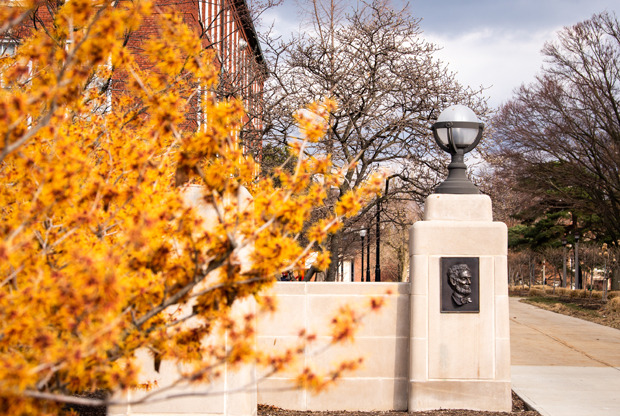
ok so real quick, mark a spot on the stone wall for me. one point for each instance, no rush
(383, 341)
(233, 394)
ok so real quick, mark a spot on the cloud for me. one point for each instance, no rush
(285, 20)
(458, 16)
(487, 42)
(494, 58)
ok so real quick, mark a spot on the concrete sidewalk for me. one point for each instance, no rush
(564, 366)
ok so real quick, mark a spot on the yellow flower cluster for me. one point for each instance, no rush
(100, 255)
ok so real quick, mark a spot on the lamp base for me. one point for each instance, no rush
(457, 181)
(457, 186)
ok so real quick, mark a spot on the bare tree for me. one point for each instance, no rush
(613, 265)
(532, 258)
(389, 89)
(518, 266)
(590, 258)
(396, 218)
(498, 185)
(559, 137)
(555, 257)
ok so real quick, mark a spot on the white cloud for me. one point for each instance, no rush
(285, 21)
(503, 49)
(493, 58)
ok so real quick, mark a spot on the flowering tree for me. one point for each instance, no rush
(99, 251)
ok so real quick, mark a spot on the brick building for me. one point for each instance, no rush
(227, 27)
(223, 25)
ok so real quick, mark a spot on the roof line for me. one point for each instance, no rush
(250, 30)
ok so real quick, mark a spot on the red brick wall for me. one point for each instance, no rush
(221, 23)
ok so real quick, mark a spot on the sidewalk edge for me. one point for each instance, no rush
(529, 403)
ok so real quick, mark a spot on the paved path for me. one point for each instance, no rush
(564, 366)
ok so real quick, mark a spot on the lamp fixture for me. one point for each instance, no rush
(457, 131)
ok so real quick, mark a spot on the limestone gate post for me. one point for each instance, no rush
(460, 335)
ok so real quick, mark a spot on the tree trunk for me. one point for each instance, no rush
(615, 279)
(402, 262)
(334, 248)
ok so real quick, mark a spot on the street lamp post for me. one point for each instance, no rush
(368, 258)
(605, 254)
(378, 260)
(362, 234)
(577, 279)
(564, 263)
(378, 241)
(457, 131)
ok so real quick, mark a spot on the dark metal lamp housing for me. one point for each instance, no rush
(457, 131)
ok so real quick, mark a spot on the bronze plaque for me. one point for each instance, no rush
(460, 284)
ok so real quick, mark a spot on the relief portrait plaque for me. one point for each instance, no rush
(460, 284)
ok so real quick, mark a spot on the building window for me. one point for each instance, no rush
(7, 48)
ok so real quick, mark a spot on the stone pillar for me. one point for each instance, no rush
(460, 358)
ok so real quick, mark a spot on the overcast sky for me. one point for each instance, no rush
(495, 43)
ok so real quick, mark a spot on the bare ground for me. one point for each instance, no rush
(518, 408)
